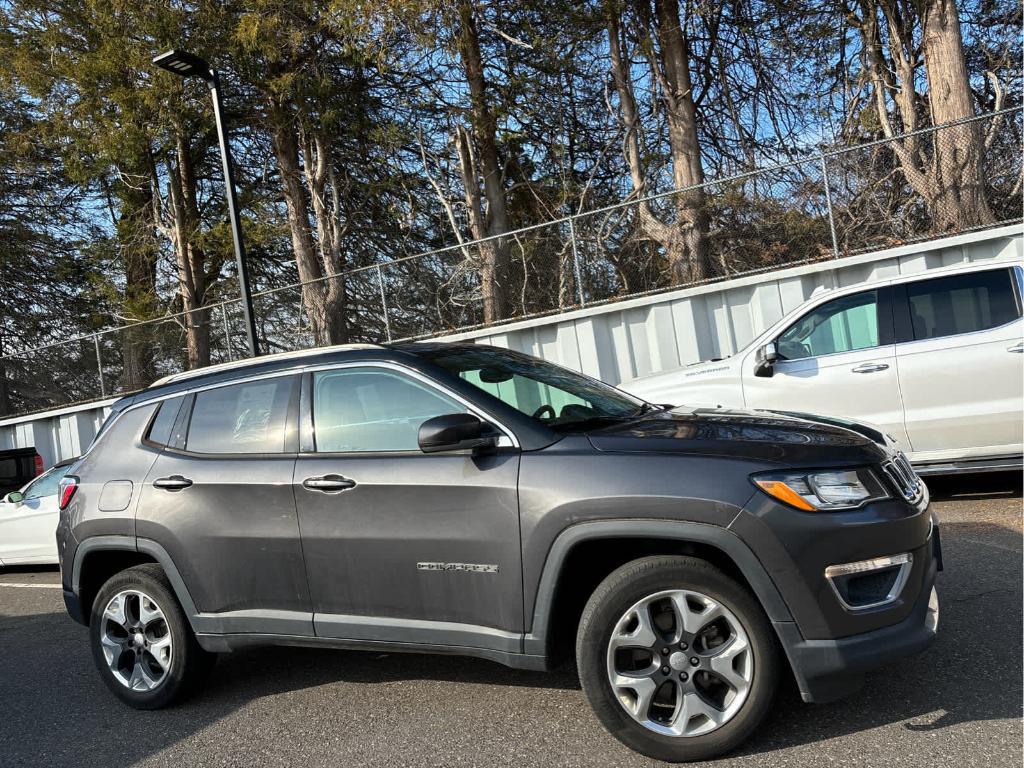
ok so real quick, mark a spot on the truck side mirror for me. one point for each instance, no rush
(764, 362)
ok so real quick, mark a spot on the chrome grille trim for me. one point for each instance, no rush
(903, 477)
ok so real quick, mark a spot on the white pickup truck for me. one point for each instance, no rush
(934, 359)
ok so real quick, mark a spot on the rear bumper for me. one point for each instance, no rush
(827, 670)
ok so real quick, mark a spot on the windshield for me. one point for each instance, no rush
(556, 396)
(46, 484)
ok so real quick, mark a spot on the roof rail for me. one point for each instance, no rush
(299, 353)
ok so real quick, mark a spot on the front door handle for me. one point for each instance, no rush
(1018, 347)
(328, 483)
(172, 483)
(870, 368)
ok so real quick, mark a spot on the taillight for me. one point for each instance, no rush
(39, 465)
(68, 486)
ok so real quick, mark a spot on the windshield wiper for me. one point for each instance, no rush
(648, 407)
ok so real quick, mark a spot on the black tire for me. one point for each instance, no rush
(633, 582)
(189, 664)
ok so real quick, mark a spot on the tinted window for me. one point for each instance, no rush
(9, 469)
(947, 306)
(368, 409)
(160, 429)
(840, 325)
(241, 418)
(46, 484)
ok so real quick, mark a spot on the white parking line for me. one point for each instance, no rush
(30, 586)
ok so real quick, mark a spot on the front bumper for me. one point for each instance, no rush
(826, 670)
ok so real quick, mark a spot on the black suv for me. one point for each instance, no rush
(457, 498)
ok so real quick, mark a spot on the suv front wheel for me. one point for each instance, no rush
(141, 641)
(677, 659)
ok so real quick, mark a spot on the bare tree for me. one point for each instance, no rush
(664, 45)
(898, 37)
(481, 173)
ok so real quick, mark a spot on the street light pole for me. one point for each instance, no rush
(186, 64)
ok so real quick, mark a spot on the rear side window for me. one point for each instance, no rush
(947, 306)
(841, 325)
(241, 418)
(160, 428)
(9, 470)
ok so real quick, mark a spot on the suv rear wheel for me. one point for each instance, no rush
(677, 660)
(141, 641)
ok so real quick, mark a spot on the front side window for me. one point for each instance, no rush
(557, 396)
(841, 325)
(372, 410)
(240, 418)
(947, 306)
(46, 484)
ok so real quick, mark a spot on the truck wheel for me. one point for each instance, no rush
(141, 641)
(677, 660)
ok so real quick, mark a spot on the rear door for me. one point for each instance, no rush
(409, 546)
(837, 359)
(961, 363)
(219, 499)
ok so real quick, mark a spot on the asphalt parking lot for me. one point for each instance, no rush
(958, 704)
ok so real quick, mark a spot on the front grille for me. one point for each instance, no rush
(903, 477)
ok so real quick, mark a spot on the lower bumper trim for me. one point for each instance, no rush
(827, 670)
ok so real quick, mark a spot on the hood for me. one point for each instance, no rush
(776, 436)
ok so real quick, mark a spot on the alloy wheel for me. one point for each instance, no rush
(680, 663)
(136, 640)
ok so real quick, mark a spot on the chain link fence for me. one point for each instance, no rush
(934, 182)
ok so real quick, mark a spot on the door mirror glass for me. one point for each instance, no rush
(14, 497)
(765, 360)
(455, 432)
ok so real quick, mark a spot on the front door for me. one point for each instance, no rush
(219, 500)
(404, 545)
(837, 359)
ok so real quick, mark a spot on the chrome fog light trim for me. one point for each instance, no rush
(902, 561)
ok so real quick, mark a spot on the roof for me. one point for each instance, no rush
(225, 372)
(249, 361)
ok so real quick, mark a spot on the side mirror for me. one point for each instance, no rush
(455, 432)
(14, 497)
(764, 362)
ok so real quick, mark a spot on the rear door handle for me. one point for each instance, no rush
(172, 483)
(870, 368)
(328, 483)
(1018, 347)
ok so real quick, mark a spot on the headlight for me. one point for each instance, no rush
(822, 491)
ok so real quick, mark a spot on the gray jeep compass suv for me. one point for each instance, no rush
(456, 498)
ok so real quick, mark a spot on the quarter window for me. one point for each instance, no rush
(160, 429)
(240, 418)
(368, 410)
(947, 306)
(841, 325)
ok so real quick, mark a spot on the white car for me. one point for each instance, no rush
(934, 359)
(28, 520)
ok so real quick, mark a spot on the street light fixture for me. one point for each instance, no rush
(185, 64)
